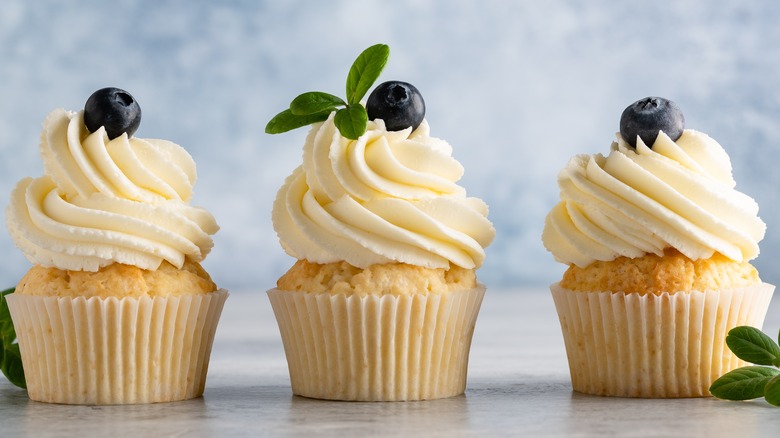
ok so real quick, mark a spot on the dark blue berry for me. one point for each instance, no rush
(398, 103)
(645, 117)
(114, 109)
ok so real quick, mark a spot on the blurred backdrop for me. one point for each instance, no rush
(516, 87)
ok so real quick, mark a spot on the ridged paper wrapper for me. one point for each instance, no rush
(377, 347)
(654, 346)
(98, 351)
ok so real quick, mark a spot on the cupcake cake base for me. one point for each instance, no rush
(654, 345)
(98, 351)
(377, 347)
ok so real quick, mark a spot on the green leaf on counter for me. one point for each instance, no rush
(10, 357)
(752, 345)
(772, 391)
(744, 383)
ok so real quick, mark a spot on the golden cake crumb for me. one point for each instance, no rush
(381, 279)
(118, 280)
(673, 272)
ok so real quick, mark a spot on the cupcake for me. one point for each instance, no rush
(382, 302)
(116, 308)
(658, 243)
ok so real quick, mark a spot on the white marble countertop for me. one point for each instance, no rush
(518, 385)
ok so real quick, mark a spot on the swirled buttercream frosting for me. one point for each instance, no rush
(636, 201)
(389, 196)
(104, 201)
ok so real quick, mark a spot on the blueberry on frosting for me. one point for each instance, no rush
(114, 109)
(646, 117)
(399, 104)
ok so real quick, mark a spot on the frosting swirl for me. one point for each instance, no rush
(104, 201)
(638, 201)
(387, 196)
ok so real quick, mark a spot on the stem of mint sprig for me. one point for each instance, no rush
(10, 357)
(351, 117)
(750, 382)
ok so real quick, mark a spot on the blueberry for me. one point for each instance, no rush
(398, 103)
(645, 117)
(114, 109)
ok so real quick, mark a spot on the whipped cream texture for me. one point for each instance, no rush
(104, 201)
(389, 196)
(640, 201)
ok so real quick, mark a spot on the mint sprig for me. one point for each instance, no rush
(10, 357)
(351, 117)
(750, 382)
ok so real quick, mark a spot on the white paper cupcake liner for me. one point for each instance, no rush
(660, 346)
(115, 351)
(377, 348)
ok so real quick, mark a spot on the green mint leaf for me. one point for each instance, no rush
(315, 102)
(752, 345)
(12, 366)
(10, 358)
(365, 71)
(777, 361)
(7, 332)
(351, 121)
(287, 121)
(772, 391)
(744, 383)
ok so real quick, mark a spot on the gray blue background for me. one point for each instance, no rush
(517, 87)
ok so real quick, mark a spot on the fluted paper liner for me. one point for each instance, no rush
(660, 346)
(377, 348)
(115, 351)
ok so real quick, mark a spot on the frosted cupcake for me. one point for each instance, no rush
(116, 308)
(658, 243)
(382, 302)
